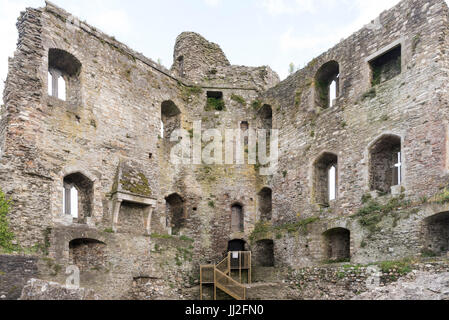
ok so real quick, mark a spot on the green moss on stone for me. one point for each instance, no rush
(136, 184)
(239, 99)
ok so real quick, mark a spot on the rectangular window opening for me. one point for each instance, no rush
(386, 66)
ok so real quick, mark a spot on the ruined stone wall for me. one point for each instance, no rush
(110, 121)
(15, 271)
(108, 133)
(412, 105)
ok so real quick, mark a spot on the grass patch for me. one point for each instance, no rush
(161, 236)
(215, 104)
(401, 267)
(442, 197)
(187, 92)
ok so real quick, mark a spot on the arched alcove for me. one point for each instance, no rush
(337, 245)
(175, 212)
(87, 254)
(265, 204)
(170, 118)
(436, 234)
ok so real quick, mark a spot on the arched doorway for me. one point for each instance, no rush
(236, 245)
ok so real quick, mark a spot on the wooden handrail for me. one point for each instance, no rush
(233, 288)
(220, 276)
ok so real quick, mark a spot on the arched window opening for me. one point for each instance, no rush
(327, 84)
(326, 178)
(63, 76)
(386, 163)
(265, 204)
(337, 245)
(78, 197)
(266, 116)
(436, 235)
(170, 118)
(237, 219)
(176, 217)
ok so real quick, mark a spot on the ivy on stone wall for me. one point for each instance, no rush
(6, 236)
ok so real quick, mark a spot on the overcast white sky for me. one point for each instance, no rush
(251, 32)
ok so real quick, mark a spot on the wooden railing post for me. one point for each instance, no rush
(215, 284)
(201, 283)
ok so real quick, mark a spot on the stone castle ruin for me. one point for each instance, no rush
(362, 176)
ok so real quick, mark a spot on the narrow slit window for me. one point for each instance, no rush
(332, 93)
(70, 201)
(397, 181)
(332, 183)
(61, 88)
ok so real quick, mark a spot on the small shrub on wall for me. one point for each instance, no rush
(6, 236)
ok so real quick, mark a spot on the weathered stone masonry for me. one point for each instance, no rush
(141, 219)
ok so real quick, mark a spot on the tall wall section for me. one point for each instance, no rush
(410, 106)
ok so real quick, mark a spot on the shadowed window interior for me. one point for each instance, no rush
(266, 116)
(63, 76)
(265, 204)
(385, 163)
(170, 118)
(386, 66)
(436, 235)
(263, 252)
(176, 218)
(78, 196)
(325, 180)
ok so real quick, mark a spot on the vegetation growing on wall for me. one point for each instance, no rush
(264, 229)
(187, 92)
(239, 99)
(256, 104)
(6, 235)
(215, 104)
